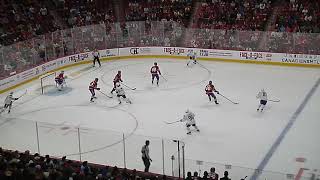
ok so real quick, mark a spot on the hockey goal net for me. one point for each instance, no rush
(47, 82)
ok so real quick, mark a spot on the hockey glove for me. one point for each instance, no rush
(98, 89)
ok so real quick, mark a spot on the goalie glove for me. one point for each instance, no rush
(98, 89)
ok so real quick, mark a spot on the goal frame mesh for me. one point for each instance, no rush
(43, 77)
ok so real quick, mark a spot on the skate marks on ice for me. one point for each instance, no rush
(178, 76)
(69, 126)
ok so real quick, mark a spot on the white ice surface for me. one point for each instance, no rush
(230, 134)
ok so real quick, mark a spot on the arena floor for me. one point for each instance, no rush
(235, 134)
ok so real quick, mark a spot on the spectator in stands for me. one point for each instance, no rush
(205, 175)
(225, 176)
(213, 175)
(189, 176)
(196, 176)
(145, 156)
(85, 169)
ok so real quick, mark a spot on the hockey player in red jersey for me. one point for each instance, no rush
(154, 73)
(60, 80)
(93, 86)
(117, 79)
(209, 91)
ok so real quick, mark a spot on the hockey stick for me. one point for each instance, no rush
(273, 100)
(171, 122)
(244, 178)
(163, 77)
(104, 94)
(128, 86)
(229, 99)
(25, 92)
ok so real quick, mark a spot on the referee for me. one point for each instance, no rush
(95, 54)
(145, 156)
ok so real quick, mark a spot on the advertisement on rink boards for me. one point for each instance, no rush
(301, 59)
(257, 56)
(108, 52)
(133, 51)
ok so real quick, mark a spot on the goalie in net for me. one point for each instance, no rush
(60, 80)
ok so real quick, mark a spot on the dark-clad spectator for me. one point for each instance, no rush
(85, 169)
(205, 175)
(225, 176)
(213, 175)
(196, 176)
(145, 156)
(189, 176)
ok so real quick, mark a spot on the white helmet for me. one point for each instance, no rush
(262, 90)
(62, 72)
(187, 111)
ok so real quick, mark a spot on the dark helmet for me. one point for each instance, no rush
(96, 79)
(119, 72)
(210, 82)
(155, 63)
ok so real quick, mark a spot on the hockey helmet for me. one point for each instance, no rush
(11, 92)
(187, 111)
(262, 90)
(62, 72)
(119, 72)
(96, 79)
(155, 63)
(210, 82)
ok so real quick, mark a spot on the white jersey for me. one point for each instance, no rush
(188, 117)
(120, 91)
(9, 99)
(95, 53)
(262, 96)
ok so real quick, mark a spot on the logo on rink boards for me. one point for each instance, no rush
(79, 57)
(174, 51)
(301, 58)
(256, 56)
(134, 51)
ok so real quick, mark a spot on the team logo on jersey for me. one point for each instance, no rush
(134, 50)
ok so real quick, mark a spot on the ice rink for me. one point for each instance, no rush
(234, 134)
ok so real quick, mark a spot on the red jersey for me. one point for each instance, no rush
(60, 76)
(117, 78)
(210, 88)
(93, 85)
(155, 70)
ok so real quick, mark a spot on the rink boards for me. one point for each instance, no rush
(303, 60)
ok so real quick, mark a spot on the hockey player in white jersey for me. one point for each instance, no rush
(188, 117)
(192, 56)
(120, 93)
(262, 95)
(8, 102)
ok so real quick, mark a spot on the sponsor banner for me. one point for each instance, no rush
(301, 59)
(27, 74)
(80, 57)
(8, 82)
(108, 52)
(49, 66)
(257, 56)
(132, 51)
(176, 51)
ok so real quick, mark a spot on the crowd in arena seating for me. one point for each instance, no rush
(15, 165)
(21, 20)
